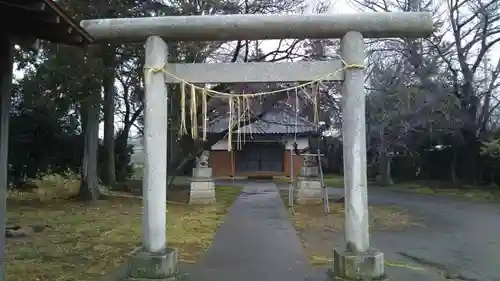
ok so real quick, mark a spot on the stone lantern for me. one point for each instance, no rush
(202, 187)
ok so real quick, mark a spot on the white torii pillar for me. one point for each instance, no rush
(155, 260)
(155, 140)
(6, 65)
(357, 261)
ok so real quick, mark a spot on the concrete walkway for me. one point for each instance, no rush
(257, 242)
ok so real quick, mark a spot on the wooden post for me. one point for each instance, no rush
(290, 186)
(6, 64)
(232, 165)
(155, 140)
(326, 202)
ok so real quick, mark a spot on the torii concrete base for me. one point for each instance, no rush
(146, 266)
(355, 266)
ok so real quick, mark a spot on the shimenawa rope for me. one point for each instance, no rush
(238, 103)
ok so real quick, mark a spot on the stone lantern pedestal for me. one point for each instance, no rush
(202, 187)
(308, 185)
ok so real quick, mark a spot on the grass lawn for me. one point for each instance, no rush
(336, 181)
(423, 187)
(83, 241)
(442, 188)
(316, 229)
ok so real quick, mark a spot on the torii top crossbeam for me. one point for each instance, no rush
(258, 27)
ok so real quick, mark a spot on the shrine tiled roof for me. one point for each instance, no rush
(282, 119)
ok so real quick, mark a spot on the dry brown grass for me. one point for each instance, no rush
(84, 241)
(317, 229)
(313, 217)
(483, 193)
(331, 180)
(381, 218)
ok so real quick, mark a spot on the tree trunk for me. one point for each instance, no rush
(384, 169)
(89, 190)
(470, 151)
(387, 171)
(173, 112)
(173, 148)
(384, 165)
(109, 176)
(453, 167)
(121, 152)
(108, 54)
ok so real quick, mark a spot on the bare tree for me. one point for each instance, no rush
(410, 95)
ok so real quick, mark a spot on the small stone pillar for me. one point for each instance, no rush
(202, 185)
(308, 185)
(357, 261)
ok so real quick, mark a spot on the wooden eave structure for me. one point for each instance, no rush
(41, 19)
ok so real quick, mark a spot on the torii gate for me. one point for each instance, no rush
(357, 261)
